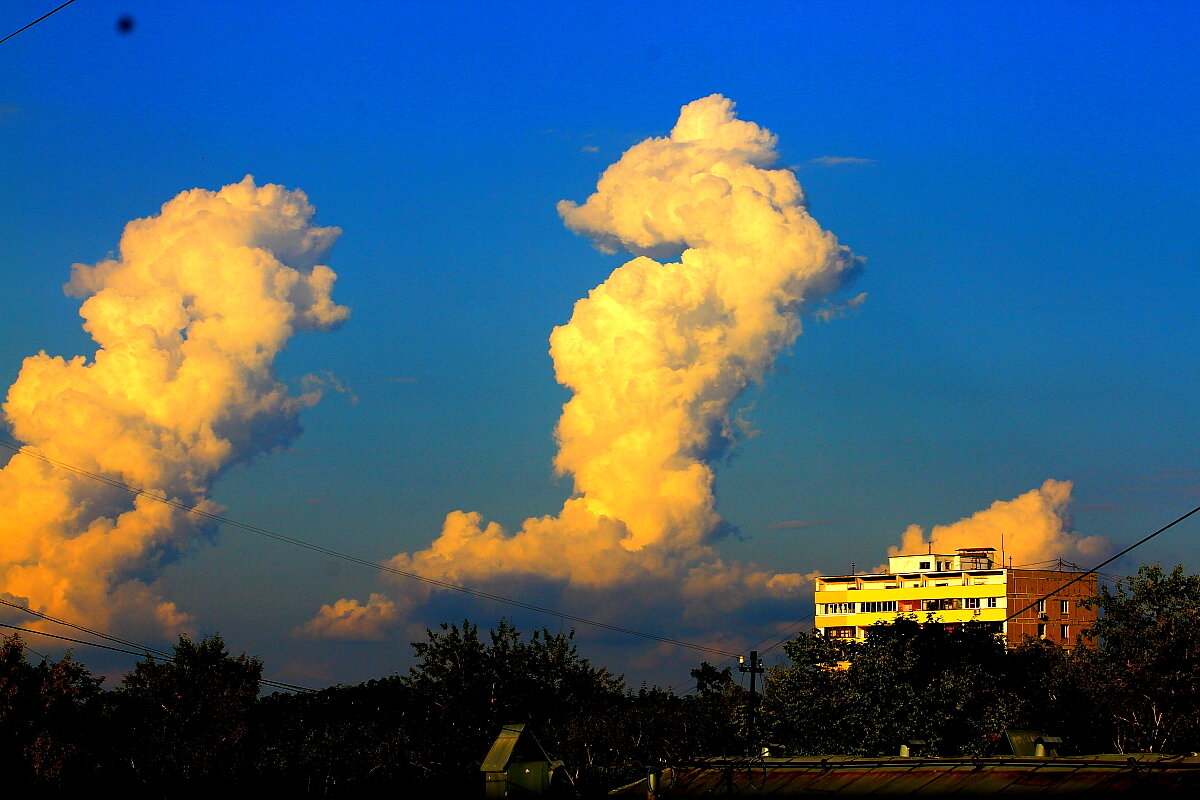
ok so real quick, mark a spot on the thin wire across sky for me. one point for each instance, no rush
(142, 650)
(364, 562)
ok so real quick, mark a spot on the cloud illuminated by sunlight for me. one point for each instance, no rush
(1033, 529)
(349, 619)
(726, 259)
(188, 320)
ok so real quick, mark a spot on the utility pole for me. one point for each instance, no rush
(755, 667)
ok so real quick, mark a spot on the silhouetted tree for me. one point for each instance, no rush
(1056, 687)
(340, 741)
(804, 703)
(467, 688)
(711, 681)
(47, 722)
(941, 684)
(195, 724)
(188, 721)
(1146, 671)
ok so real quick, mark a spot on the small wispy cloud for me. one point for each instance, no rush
(834, 311)
(796, 524)
(402, 380)
(841, 161)
(315, 384)
(590, 148)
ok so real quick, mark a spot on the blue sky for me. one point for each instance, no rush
(1021, 179)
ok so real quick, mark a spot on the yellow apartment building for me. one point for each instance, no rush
(965, 586)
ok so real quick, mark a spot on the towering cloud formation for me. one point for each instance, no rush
(188, 321)
(655, 357)
(1032, 528)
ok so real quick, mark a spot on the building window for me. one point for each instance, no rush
(1041, 606)
(878, 607)
(945, 604)
(1064, 632)
(1064, 607)
(923, 565)
(839, 608)
(840, 633)
(1041, 630)
(971, 602)
(909, 606)
(991, 602)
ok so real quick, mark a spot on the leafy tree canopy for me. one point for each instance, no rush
(190, 718)
(47, 728)
(1146, 672)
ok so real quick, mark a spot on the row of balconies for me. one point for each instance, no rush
(912, 606)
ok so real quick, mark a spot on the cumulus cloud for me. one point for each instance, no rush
(351, 620)
(188, 319)
(1032, 528)
(726, 256)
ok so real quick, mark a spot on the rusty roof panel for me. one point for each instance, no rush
(1165, 776)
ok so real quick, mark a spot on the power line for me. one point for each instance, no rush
(84, 629)
(782, 632)
(42, 656)
(316, 548)
(1105, 563)
(264, 681)
(149, 652)
(143, 650)
(36, 21)
(795, 624)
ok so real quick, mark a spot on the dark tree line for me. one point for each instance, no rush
(198, 724)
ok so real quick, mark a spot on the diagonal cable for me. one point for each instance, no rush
(1105, 563)
(316, 548)
(36, 21)
(264, 681)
